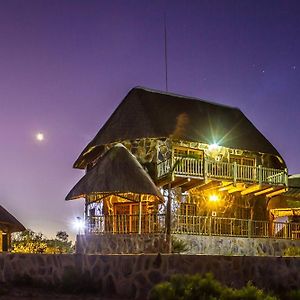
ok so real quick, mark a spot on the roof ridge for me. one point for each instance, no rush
(167, 93)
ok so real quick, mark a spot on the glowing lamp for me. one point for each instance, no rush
(213, 146)
(79, 225)
(214, 198)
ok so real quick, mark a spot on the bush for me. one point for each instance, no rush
(294, 295)
(195, 287)
(292, 251)
(29, 241)
(179, 246)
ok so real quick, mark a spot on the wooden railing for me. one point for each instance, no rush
(196, 225)
(191, 167)
(202, 225)
(150, 223)
(188, 166)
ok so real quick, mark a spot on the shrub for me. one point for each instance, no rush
(179, 246)
(195, 287)
(248, 292)
(294, 295)
(29, 241)
(292, 251)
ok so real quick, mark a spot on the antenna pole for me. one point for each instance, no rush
(166, 53)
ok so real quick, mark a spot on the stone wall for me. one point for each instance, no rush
(196, 244)
(132, 276)
(218, 245)
(120, 243)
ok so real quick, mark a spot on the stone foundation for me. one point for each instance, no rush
(132, 276)
(218, 245)
(120, 243)
(196, 244)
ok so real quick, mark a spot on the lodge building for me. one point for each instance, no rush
(205, 169)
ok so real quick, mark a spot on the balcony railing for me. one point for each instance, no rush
(195, 225)
(199, 168)
(150, 223)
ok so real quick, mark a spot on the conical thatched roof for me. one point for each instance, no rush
(8, 222)
(146, 113)
(116, 173)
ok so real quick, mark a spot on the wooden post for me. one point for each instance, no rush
(140, 215)
(260, 174)
(9, 241)
(286, 177)
(86, 223)
(168, 220)
(249, 228)
(172, 169)
(205, 170)
(234, 173)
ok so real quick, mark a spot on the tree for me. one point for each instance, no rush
(30, 242)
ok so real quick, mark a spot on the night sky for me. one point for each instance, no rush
(66, 65)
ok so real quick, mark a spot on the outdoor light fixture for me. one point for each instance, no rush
(213, 147)
(214, 198)
(79, 225)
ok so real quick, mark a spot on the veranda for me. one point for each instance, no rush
(195, 225)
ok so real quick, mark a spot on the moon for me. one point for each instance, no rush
(39, 136)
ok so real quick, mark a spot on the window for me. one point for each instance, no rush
(126, 217)
(187, 209)
(188, 152)
(240, 160)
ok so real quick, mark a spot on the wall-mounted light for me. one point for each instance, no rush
(79, 225)
(213, 147)
(214, 198)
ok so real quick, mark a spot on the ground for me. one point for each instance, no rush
(26, 293)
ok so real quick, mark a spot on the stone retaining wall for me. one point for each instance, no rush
(132, 276)
(196, 244)
(218, 245)
(120, 243)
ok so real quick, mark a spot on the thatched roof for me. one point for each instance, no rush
(8, 222)
(116, 173)
(294, 187)
(146, 113)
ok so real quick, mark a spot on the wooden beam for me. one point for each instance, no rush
(226, 187)
(202, 186)
(194, 183)
(276, 193)
(251, 189)
(239, 187)
(264, 191)
(179, 182)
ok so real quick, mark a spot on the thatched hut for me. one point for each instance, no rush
(8, 225)
(123, 187)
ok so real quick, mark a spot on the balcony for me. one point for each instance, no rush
(192, 225)
(205, 169)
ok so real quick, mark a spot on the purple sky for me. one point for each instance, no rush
(66, 65)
